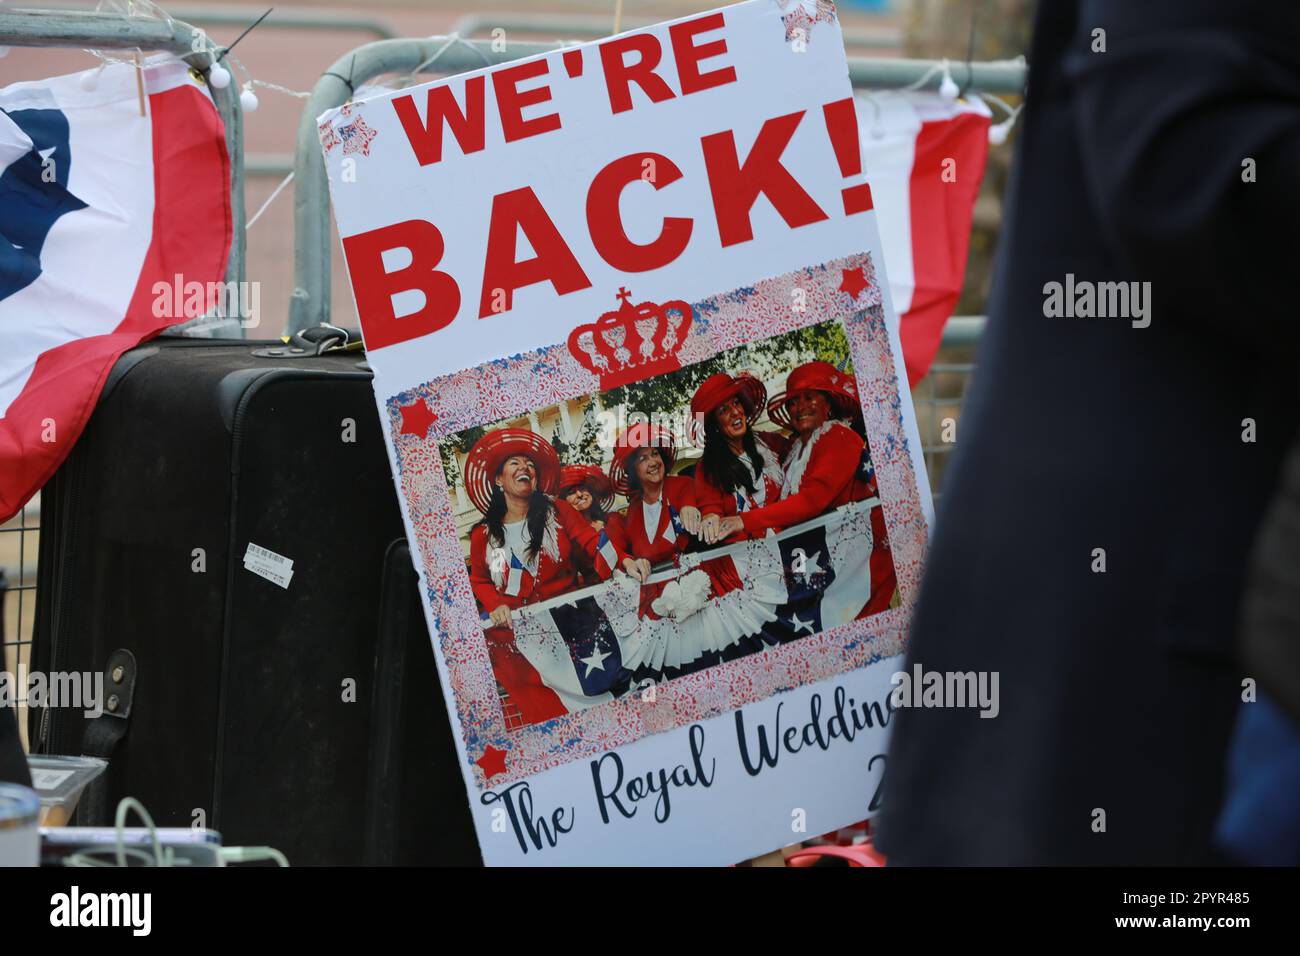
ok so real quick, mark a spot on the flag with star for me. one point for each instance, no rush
(574, 650)
(99, 206)
(828, 573)
(591, 646)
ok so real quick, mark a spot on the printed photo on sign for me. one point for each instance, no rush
(619, 540)
(686, 508)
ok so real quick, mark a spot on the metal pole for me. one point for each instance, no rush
(963, 330)
(998, 76)
(284, 18)
(592, 28)
(106, 31)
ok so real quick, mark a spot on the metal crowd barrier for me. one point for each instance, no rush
(238, 16)
(593, 28)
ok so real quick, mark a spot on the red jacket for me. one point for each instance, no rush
(627, 530)
(555, 571)
(832, 477)
(712, 500)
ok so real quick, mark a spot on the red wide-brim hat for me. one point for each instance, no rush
(840, 388)
(590, 477)
(719, 388)
(632, 439)
(495, 447)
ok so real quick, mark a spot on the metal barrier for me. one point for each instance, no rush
(940, 396)
(310, 302)
(238, 16)
(19, 544)
(593, 28)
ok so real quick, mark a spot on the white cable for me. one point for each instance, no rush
(280, 89)
(998, 132)
(938, 67)
(252, 854)
(269, 199)
(452, 39)
(120, 850)
(1011, 111)
(125, 806)
(162, 856)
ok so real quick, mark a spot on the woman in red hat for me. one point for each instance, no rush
(522, 551)
(661, 512)
(683, 627)
(740, 469)
(827, 465)
(588, 491)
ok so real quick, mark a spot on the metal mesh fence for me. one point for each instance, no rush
(940, 397)
(19, 544)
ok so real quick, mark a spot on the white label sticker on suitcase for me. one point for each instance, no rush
(275, 568)
(265, 556)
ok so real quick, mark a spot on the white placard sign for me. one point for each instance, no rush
(639, 379)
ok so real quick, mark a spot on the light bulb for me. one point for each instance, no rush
(89, 80)
(948, 88)
(218, 76)
(248, 100)
(999, 132)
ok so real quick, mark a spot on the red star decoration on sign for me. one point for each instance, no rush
(416, 418)
(492, 762)
(854, 281)
(356, 137)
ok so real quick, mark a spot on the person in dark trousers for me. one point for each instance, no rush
(1114, 468)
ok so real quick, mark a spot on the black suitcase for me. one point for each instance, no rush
(416, 810)
(233, 702)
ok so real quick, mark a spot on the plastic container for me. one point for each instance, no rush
(20, 837)
(59, 782)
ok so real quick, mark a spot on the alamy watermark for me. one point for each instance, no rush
(922, 688)
(642, 426)
(74, 908)
(180, 299)
(1084, 299)
(76, 689)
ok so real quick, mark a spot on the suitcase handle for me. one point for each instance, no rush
(102, 733)
(308, 343)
